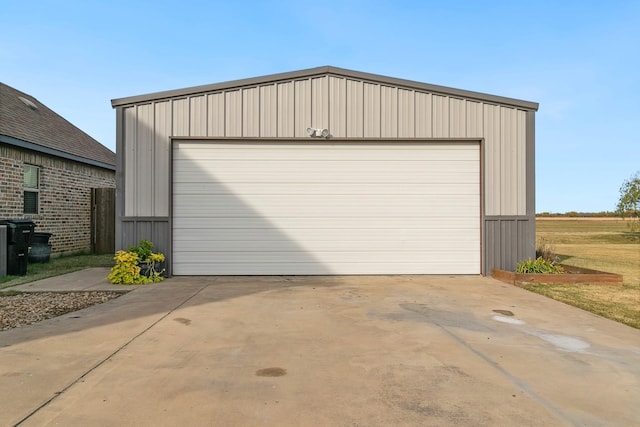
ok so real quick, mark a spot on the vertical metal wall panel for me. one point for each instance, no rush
(233, 113)
(320, 103)
(530, 161)
(286, 115)
(127, 234)
(527, 238)
(198, 116)
(144, 160)
(388, 112)
(507, 249)
(521, 162)
(507, 241)
(251, 112)
(302, 108)
(423, 115)
(371, 110)
(489, 246)
(161, 158)
(338, 107)
(406, 114)
(215, 114)
(120, 172)
(440, 118)
(492, 159)
(508, 162)
(130, 169)
(457, 118)
(474, 120)
(355, 109)
(181, 116)
(268, 111)
(157, 231)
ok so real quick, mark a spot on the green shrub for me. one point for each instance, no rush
(128, 271)
(538, 266)
(143, 250)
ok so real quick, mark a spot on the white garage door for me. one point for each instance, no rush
(325, 208)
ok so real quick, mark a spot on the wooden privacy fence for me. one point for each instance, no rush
(103, 220)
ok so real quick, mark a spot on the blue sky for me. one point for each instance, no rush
(579, 59)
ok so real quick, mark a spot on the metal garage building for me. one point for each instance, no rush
(327, 171)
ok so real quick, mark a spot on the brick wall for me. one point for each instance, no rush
(65, 196)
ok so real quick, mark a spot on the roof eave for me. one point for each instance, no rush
(292, 75)
(53, 152)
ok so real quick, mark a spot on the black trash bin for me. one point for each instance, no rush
(19, 232)
(40, 247)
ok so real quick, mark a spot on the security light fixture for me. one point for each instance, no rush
(318, 133)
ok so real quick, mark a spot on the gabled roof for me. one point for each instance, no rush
(27, 123)
(327, 70)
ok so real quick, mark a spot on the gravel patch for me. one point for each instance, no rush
(31, 307)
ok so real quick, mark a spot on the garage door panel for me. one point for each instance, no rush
(336, 206)
(341, 166)
(307, 188)
(353, 245)
(312, 209)
(342, 236)
(327, 258)
(201, 152)
(313, 268)
(449, 175)
(234, 225)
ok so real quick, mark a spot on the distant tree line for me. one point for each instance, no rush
(628, 207)
(574, 214)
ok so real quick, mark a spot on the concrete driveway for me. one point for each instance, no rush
(322, 351)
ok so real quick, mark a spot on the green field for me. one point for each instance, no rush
(603, 244)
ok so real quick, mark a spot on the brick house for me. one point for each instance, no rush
(48, 168)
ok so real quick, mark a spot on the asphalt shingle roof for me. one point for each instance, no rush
(25, 118)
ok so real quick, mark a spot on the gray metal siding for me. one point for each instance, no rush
(215, 115)
(127, 150)
(302, 108)
(372, 107)
(338, 117)
(232, 114)
(161, 155)
(346, 105)
(198, 115)
(156, 230)
(251, 112)
(507, 241)
(423, 105)
(355, 109)
(286, 108)
(268, 111)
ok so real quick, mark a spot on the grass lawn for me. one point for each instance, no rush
(56, 267)
(600, 244)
